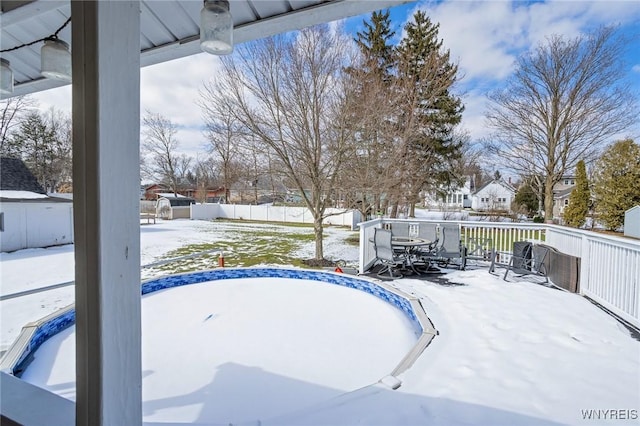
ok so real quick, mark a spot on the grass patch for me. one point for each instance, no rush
(241, 247)
(353, 239)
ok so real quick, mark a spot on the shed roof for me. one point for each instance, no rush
(15, 176)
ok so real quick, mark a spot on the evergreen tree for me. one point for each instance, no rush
(616, 180)
(525, 200)
(575, 214)
(374, 44)
(428, 111)
(43, 142)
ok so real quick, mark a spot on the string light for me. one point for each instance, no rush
(216, 27)
(55, 59)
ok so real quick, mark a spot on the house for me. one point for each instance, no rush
(156, 190)
(561, 192)
(29, 218)
(494, 195)
(452, 198)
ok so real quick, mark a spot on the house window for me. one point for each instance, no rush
(566, 202)
(573, 182)
(566, 181)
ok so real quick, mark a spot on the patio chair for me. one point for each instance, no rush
(385, 254)
(451, 248)
(426, 254)
(429, 232)
(399, 229)
(529, 259)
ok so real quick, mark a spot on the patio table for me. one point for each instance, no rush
(408, 244)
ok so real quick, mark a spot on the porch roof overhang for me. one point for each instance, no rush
(169, 28)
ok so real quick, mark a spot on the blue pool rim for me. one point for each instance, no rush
(56, 324)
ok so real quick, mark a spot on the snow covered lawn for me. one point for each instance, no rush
(508, 353)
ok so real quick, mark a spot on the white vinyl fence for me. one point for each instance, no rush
(609, 266)
(268, 213)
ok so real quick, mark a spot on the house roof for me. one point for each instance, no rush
(169, 29)
(499, 182)
(563, 193)
(15, 176)
(172, 195)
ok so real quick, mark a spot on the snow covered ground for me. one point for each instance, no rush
(508, 353)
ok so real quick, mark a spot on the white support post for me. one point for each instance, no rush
(106, 132)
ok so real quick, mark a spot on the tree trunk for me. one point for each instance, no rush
(412, 209)
(394, 211)
(318, 231)
(548, 199)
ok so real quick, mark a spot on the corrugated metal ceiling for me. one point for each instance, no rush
(169, 28)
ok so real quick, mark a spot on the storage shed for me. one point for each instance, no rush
(29, 218)
(632, 222)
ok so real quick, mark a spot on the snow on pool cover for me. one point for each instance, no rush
(249, 343)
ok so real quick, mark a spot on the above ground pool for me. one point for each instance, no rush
(240, 345)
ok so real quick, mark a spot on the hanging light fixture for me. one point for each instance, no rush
(55, 59)
(6, 77)
(216, 27)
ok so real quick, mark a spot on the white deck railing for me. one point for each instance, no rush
(609, 266)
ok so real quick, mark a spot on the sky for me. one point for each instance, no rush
(508, 352)
(484, 38)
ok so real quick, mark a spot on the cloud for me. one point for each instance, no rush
(486, 38)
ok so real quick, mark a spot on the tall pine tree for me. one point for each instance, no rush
(428, 111)
(575, 214)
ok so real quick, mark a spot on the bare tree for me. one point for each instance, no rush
(160, 144)
(288, 91)
(564, 101)
(12, 112)
(224, 133)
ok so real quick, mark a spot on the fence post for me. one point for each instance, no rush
(585, 257)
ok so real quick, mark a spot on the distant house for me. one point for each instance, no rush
(494, 195)
(29, 218)
(453, 198)
(156, 190)
(561, 192)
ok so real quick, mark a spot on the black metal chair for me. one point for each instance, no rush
(385, 254)
(529, 259)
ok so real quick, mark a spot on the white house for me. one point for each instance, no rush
(495, 195)
(455, 198)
